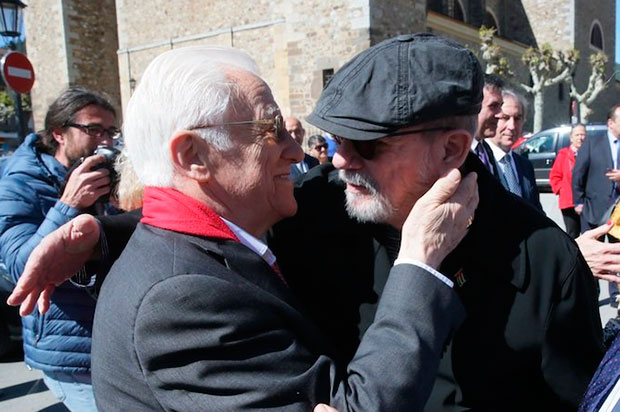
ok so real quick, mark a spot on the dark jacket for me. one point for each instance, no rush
(527, 180)
(591, 188)
(29, 210)
(193, 324)
(532, 337)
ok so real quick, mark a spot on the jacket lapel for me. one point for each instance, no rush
(254, 269)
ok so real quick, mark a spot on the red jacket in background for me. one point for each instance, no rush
(561, 177)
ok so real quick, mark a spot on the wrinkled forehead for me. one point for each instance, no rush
(253, 96)
(512, 105)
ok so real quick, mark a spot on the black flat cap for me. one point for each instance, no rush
(400, 82)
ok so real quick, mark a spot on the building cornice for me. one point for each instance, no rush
(468, 33)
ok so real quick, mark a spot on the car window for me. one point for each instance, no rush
(596, 132)
(538, 144)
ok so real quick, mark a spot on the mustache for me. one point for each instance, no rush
(358, 179)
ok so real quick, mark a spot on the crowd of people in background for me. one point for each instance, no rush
(441, 284)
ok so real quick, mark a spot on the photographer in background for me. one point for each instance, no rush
(36, 197)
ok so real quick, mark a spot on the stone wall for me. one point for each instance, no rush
(71, 42)
(551, 21)
(296, 43)
(603, 12)
(391, 18)
(91, 42)
(293, 42)
(44, 28)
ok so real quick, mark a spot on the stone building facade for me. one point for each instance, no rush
(71, 42)
(298, 44)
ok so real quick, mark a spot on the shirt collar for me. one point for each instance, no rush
(474, 145)
(498, 153)
(254, 244)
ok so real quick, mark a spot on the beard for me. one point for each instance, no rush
(74, 153)
(372, 207)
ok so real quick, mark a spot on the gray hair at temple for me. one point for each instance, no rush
(180, 90)
(519, 98)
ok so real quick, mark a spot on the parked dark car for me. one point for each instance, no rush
(542, 148)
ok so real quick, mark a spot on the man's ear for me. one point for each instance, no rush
(59, 136)
(189, 153)
(456, 145)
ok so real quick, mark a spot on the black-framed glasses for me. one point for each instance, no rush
(367, 148)
(320, 147)
(96, 130)
(277, 123)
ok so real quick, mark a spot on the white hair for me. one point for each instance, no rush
(507, 93)
(180, 89)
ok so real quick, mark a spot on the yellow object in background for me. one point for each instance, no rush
(615, 218)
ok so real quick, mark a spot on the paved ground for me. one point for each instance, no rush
(22, 390)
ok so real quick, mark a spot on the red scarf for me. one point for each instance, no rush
(167, 208)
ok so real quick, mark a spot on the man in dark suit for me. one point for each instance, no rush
(515, 172)
(596, 179)
(487, 120)
(596, 174)
(532, 336)
(297, 132)
(195, 314)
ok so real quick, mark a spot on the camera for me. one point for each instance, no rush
(110, 154)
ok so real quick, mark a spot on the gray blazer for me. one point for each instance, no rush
(193, 324)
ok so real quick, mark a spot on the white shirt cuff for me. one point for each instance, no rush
(432, 271)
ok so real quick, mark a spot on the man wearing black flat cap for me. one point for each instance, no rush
(404, 112)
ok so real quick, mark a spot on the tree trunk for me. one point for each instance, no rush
(584, 112)
(538, 110)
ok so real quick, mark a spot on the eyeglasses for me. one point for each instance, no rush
(367, 148)
(96, 130)
(277, 123)
(320, 147)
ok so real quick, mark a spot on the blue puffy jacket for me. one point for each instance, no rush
(30, 186)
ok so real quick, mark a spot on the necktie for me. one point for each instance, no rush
(617, 153)
(276, 268)
(511, 181)
(482, 154)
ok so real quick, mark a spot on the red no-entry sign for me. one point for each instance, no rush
(17, 72)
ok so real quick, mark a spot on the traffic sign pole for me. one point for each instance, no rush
(19, 114)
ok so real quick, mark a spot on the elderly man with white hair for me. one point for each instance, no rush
(195, 315)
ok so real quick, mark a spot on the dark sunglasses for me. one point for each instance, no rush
(321, 146)
(96, 130)
(367, 148)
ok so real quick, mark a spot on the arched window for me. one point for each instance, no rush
(491, 22)
(435, 5)
(459, 13)
(596, 36)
